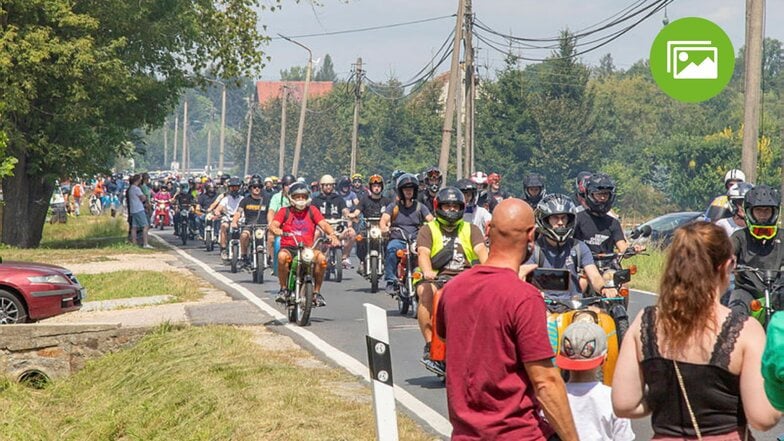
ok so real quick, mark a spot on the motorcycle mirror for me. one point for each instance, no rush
(622, 276)
(646, 231)
(635, 233)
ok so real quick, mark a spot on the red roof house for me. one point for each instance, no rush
(267, 91)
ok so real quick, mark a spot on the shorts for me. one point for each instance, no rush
(292, 250)
(139, 220)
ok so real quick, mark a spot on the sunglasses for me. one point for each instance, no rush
(763, 232)
(257, 187)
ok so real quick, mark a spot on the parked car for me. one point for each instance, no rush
(664, 226)
(34, 291)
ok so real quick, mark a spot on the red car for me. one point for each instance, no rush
(34, 291)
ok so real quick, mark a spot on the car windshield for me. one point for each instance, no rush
(670, 221)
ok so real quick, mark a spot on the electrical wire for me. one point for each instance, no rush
(371, 28)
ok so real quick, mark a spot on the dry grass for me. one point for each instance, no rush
(206, 383)
(124, 284)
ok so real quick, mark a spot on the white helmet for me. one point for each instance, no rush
(734, 175)
(327, 179)
(479, 178)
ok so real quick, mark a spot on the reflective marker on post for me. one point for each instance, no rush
(380, 363)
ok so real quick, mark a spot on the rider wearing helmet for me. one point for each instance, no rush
(183, 199)
(253, 208)
(557, 248)
(277, 201)
(333, 207)
(371, 205)
(358, 185)
(480, 179)
(579, 189)
(446, 246)
(594, 226)
(226, 208)
(269, 187)
(494, 192)
(301, 220)
(736, 195)
(433, 179)
(758, 245)
(204, 202)
(720, 206)
(533, 189)
(474, 214)
(406, 214)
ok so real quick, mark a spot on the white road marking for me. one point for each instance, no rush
(354, 366)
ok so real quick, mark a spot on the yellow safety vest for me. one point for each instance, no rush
(463, 235)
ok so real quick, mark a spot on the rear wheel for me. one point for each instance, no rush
(208, 240)
(12, 310)
(184, 233)
(338, 265)
(403, 301)
(373, 273)
(305, 304)
(235, 256)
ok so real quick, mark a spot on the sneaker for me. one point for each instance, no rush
(148, 247)
(346, 263)
(361, 268)
(318, 299)
(390, 289)
(281, 296)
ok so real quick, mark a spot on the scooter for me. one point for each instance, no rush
(374, 261)
(161, 216)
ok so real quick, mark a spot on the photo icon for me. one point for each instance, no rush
(692, 60)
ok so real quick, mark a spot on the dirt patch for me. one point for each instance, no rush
(138, 262)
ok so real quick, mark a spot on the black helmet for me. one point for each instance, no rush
(596, 183)
(396, 174)
(552, 204)
(224, 177)
(445, 196)
(762, 196)
(210, 187)
(407, 180)
(156, 186)
(288, 180)
(191, 180)
(256, 180)
(234, 182)
(532, 180)
(465, 185)
(344, 185)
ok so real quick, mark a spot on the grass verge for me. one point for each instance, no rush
(196, 383)
(83, 239)
(649, 269)
(124, 284)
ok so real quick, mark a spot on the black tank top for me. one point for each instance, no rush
(714, 392)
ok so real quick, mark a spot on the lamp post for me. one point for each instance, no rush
(303, 109)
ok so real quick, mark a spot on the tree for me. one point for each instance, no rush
(294, 73)
(79, 77)
(327, 70)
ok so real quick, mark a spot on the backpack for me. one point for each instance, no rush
(77, 191)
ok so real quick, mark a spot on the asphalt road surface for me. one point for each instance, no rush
(342, 324)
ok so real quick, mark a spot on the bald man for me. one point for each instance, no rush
(499, 369)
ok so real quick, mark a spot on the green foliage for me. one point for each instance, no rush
(326, 71)
(294, 73)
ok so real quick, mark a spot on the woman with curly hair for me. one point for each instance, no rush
(689, 362)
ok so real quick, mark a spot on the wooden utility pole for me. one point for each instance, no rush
(755, 12)
(459, 130)
(250, 129)
(282, 149)
(449, 113)
(174, 144)
(183, 164)
(470, 83)
(165, 144)
(357, 104)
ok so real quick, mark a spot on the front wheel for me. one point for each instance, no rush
(304, 304)
(208, 240)
(12, 309)
(338, 265)
(374, 274)
(258, 272)
(160, 222)
(184, 234)
(235, 256)
(403, 301)
(621, 319)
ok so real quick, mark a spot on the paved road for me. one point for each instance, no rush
(341, 323)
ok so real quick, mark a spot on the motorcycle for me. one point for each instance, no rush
(374, 261)
(258, 252)
(772, 299)
(234, 249)
(301, 279)
(334, 255)
(406, 262)
(186, 227)
(212, 224)
(162, 215)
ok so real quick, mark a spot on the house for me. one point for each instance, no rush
(267, 91)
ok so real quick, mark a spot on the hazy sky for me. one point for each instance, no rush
(403, 51)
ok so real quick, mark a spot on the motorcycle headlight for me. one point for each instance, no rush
(259, 233)
(307, 255)
(413, 247)
(375, 233)
(53, 278)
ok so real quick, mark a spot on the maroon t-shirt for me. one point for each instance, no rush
(493, 323)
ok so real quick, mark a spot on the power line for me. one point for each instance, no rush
(372, 28)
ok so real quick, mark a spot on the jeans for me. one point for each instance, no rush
(200, 220)
(390, 263)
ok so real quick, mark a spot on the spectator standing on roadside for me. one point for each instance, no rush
(773, 362)
(139, 219)
(76, 192)
(487, 313)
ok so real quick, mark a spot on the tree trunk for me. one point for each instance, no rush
(26, 200)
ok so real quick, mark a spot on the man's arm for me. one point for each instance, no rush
(383, 224)
(551, 394)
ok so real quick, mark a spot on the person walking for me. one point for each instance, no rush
(690, 362)
(488, 313)
(136, 200)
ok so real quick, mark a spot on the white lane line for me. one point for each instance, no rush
(649, 293)
(354, 366)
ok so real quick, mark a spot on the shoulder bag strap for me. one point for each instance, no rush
(686, 398)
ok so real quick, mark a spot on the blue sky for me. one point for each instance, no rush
(403, 51)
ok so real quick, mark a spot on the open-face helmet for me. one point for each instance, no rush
(466, 186)
(344, 185)
(533, 180)
(550, 205)
(234, 186)
(736, 194)
(376, 179)
(734, 175)
(407, 180)
(287, 180)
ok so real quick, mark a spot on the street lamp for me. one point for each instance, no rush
(303, 109)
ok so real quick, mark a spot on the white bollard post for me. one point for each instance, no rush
(380, 363)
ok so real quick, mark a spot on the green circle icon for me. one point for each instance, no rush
(692, 59)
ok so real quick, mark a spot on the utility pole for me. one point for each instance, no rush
(303, 109)
(183, 164)
(755, 13)
(449, 113)
(165, 143)
(209, 148)
(459, 130)
(470, 83)
(174, 144)
(357, 104)
(282, 153)
(250, 128)
(223, 127)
